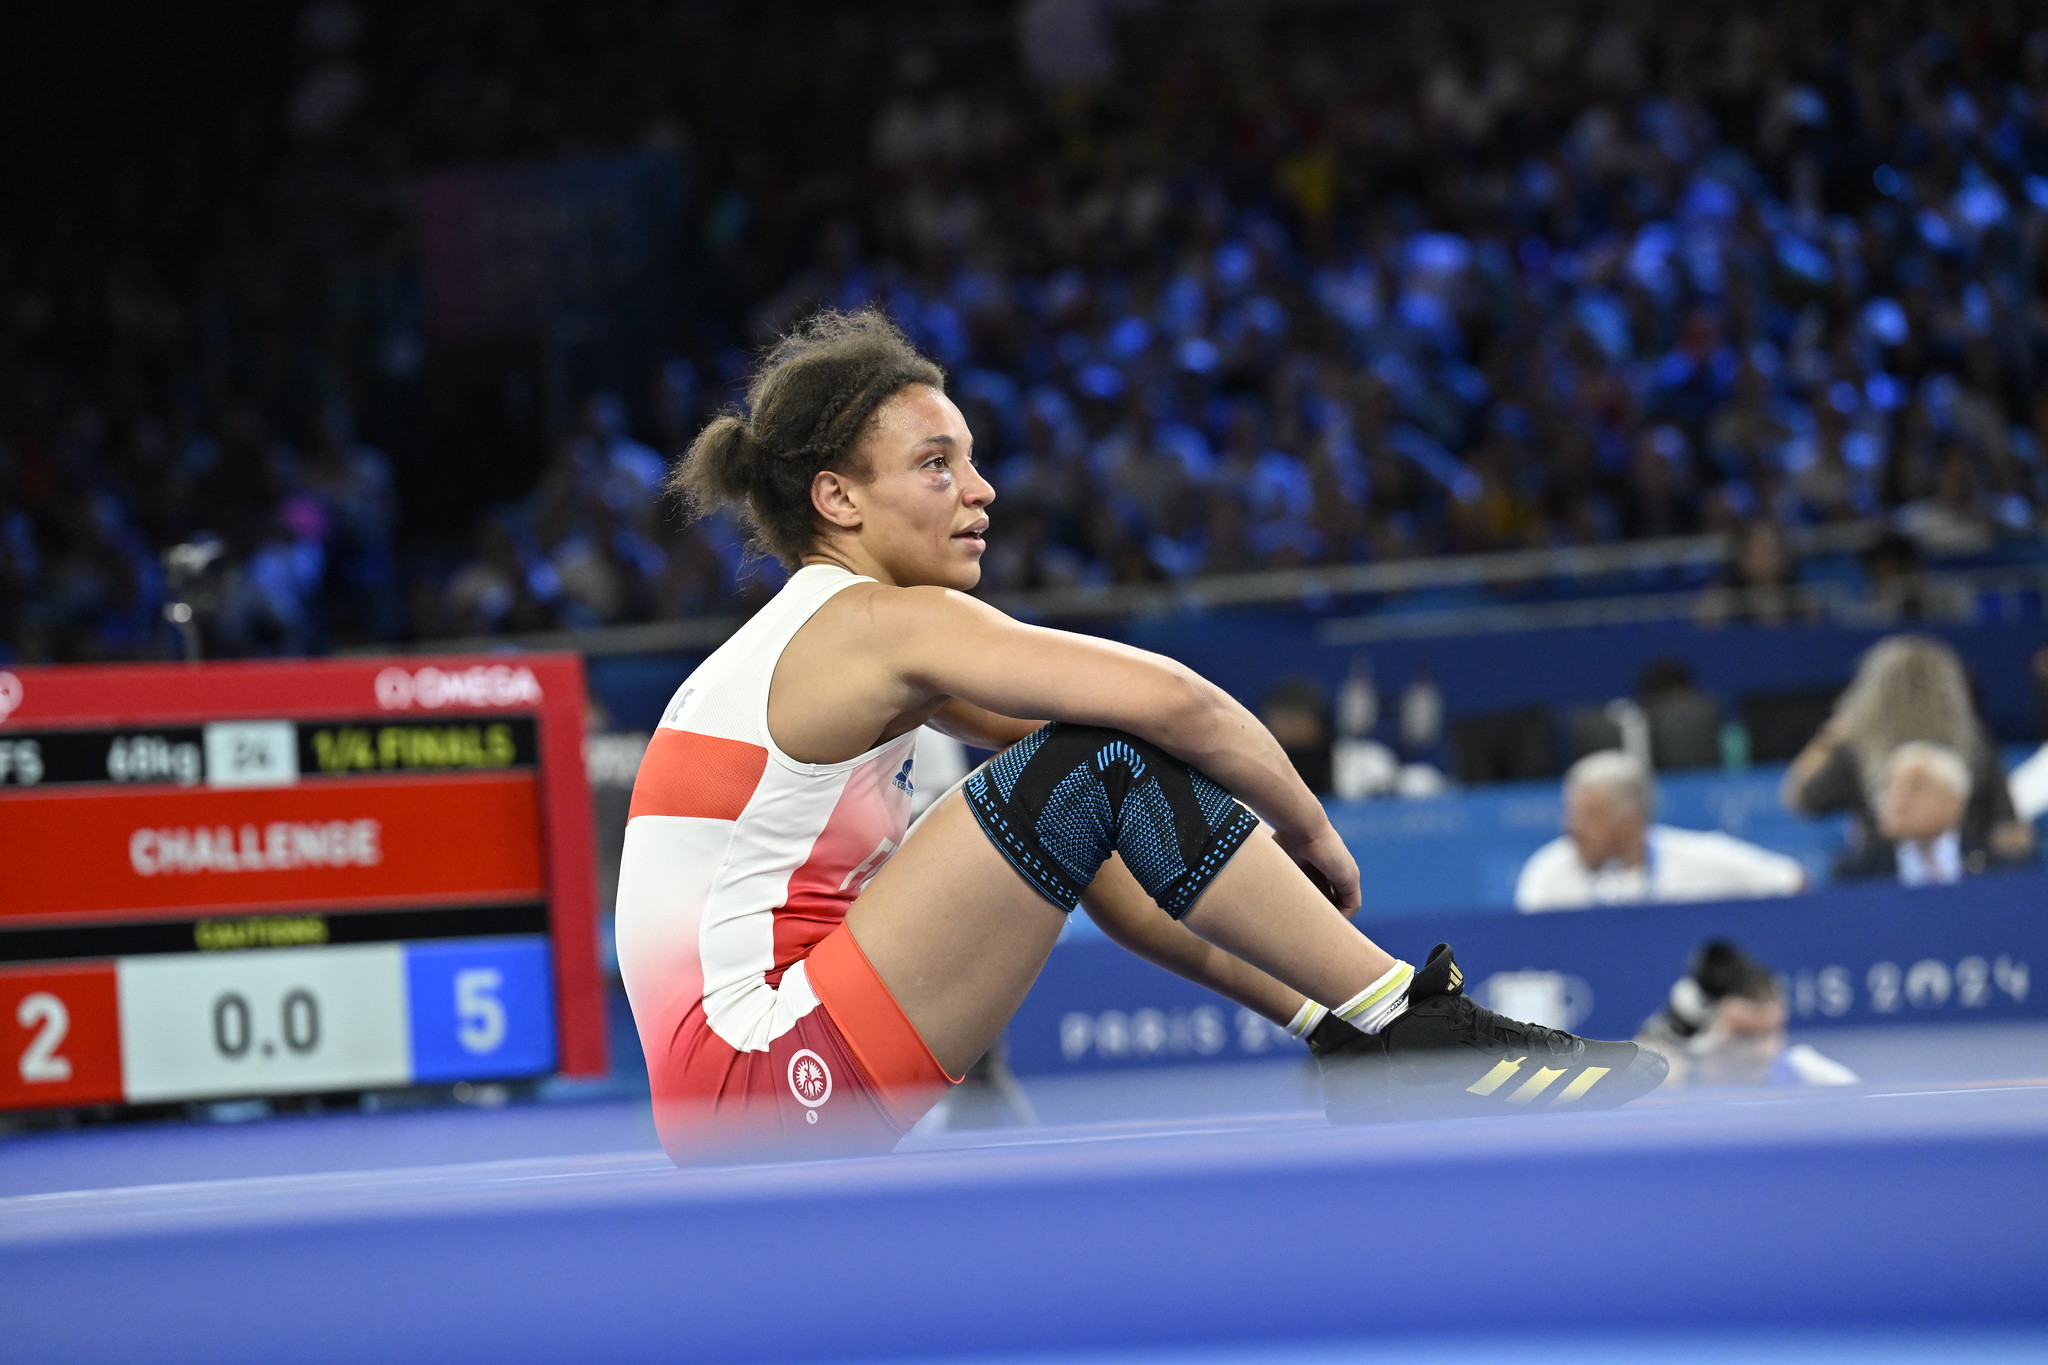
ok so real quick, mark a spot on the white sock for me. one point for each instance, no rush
(1306, 1018)
(1379, 1004)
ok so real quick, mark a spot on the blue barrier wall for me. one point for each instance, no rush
(1851, 955)
(1248, 651)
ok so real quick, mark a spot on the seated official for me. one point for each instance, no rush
(1908, 688)
(1610, 853)
(1924, 834)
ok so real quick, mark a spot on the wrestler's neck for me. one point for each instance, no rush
(870, 558)
(852, 557)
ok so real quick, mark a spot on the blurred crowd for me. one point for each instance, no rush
(1219, 289)
(1325, 292)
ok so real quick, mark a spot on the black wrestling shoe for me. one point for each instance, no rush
(1449, 1056)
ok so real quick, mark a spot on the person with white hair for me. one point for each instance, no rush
(1908, 688)
(1922, 800)
(1611, 854)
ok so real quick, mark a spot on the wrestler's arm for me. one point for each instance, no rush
(980, 727)
(937, 642)
(1119, 906)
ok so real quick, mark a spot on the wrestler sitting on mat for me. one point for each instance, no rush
(800, 966)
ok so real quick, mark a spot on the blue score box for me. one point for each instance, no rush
(480, 1008)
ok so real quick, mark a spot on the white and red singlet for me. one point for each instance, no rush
(755, 1007)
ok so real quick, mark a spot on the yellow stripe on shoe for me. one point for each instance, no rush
(1581, 1083)
(1537, 1084)
(1493, 1080)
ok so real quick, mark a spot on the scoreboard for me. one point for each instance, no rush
(243, 879)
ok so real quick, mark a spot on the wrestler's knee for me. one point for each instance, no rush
(1061, 800)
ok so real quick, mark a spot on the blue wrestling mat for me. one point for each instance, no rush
(1877, 1221)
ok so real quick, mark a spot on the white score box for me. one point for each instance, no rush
(264, 1022)
(251, 753)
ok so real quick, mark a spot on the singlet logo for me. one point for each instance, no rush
(675, 707)
(10, 697)
(810, 1081)
(903, 782)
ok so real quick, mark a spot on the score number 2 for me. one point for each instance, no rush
(46, 1015)
(59, 1036)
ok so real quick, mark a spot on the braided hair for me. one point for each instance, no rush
(807, 407)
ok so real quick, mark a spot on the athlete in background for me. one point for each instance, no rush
(800, 965)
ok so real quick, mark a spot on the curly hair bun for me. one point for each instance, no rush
(807, 407)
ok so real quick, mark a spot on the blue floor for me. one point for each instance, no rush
(1866, 1224)
(1959, 1347)
(133, 1154)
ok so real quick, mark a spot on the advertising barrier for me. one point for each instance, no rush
(1848, 956)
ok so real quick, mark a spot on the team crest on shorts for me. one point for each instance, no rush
(810, 1080)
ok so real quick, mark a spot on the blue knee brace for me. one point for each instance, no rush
(1061, 800)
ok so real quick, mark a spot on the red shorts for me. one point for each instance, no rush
(851, 1076)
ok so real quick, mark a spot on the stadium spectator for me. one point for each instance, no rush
(1684, 722)
(1760, 585)
(1724, 1024)
(1921, 800)
(1611, 854)
(1298, 714)
(1896, 572)
(1907, 688)
(350, 483)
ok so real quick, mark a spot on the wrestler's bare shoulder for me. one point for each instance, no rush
(882, 614)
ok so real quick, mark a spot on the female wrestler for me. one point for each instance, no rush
(797, 964)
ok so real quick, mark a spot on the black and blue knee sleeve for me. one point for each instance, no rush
(1062, 799)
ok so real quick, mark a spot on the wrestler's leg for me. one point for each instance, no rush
(962, 918)
(954, 933)
(958, 935)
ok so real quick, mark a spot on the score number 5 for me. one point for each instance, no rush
(479, 1013)
(480, 1008)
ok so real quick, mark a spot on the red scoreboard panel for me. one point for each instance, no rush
(239, 879)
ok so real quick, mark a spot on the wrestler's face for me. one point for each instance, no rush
(917, 520)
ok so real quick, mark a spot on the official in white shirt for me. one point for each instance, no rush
(1920, 809)
(1610, 853)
